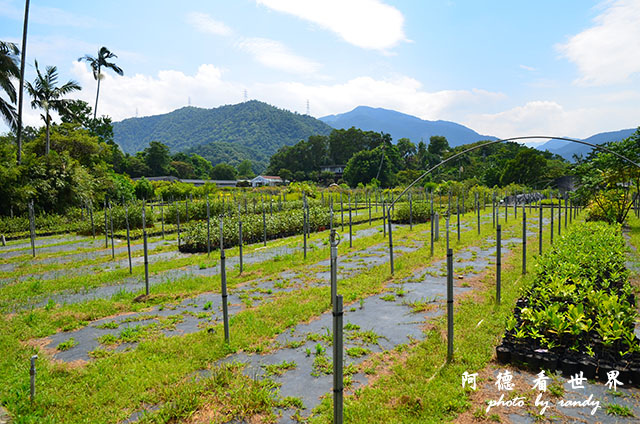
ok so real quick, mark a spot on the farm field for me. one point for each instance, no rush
(109, 353)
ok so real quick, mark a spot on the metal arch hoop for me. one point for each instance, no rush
(489, 143)
(503, 140)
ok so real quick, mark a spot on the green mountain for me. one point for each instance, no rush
(251, 130)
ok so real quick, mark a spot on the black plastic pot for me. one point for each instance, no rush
(549, 361)
(569, 366)
(603, 368)
(503, 354)
(588, 367)
(635, 375)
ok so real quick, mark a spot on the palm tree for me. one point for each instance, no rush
(48, 97)
(97, 63)
(8, 70)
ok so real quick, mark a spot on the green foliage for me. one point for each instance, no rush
(144, 189)
(364, 166)
(223, 171)
(229, 134)
(606, 180)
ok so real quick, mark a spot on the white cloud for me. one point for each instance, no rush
(607, 53)
(402, 94)
(205, 23)
(527, 68)
(124, 97)
(276, 55)
(369, 24)
(552, 119)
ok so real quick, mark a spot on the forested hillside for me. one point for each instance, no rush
(251, 130)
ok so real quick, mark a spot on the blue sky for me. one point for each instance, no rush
(503, 68)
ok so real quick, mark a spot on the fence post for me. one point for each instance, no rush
(264, 224)
(341, 214)
(390, 245)
(410, 213)
(162, 215)
(458, 217)
(113, 251)
(566, 206)
(447, 228)
(32, 375)
(552, 228)
(240, 240)
(304, 224)
(498, 262)
(437, 224)
(432, 218)
(478, 213)
(384, 219)
(106, 228)
(369, 202)
(223, 279)
(540, 229)
(32, 228)
(178, 221)
(350, 224)
(449, 305)
(209, 227)
(493, 210)
(337, 361)
(93, 228)
(333, 246)
(524, 240)
(146, 257)
(126, 217)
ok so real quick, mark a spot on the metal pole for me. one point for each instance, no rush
(559, 216)
(524, 241)
(493, 210)
(350, 224)
(437, 224)
(341, 213)
(449, 304)
(106, 228)
(113, 250)
(93, 228)
(146, 256)
(209, 227)
(447, 228)
(458, 217)
(566, 206)
(432, 218)
(126, 217)
(552, 229)
(240, 240)
(162, 215)
(390, 245)
(178, 221)
(410, 213)
(384, 219)
(369, 201)
(333, 245)
(478, 212)
(264, 224)
(223, 279)
(540, 229)
(32, 228)
(338, 383)
(498, 262)
(304, 224)
(32, 374)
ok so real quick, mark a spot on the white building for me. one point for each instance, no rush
(266, 180)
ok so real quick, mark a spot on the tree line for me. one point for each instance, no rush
(370, 155)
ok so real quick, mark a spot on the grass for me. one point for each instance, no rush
(618, 410)
(279, 369)
(67, 344)
(155, 371)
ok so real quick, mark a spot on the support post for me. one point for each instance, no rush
(223, 279)
(93, 228)
(113, 250)
(162, 215)
(338, 383)
(540, 229)
(524, 241)
(449, 305)
(498, 262)
(209, 228)
(146, 252)
(32, 228)
(126, 217)
(390, 246)
(333, 246)
(411, 213)
(350, 224)
(106, 227)
(32, 375)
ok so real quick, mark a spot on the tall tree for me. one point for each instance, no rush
(97, 63)
(48, 97)
(8, 71)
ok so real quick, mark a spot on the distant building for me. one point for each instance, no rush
(266, 180)
(337, 170)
